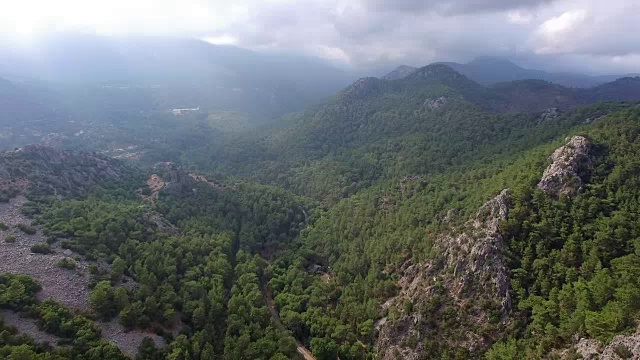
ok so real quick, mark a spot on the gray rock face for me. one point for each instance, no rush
(563, 175)
(176, 180)
(549, 115)
(435, 104)
(470, 271)
(621, 347)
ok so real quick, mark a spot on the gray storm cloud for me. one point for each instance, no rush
(452, 7)
(577, 35)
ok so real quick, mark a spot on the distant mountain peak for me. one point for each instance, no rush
(437, 71)
(489, 70)
(400, 72)
(493, 61)
(364, 87)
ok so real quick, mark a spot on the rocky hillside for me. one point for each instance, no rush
(460, 298)
(569, 163)
(41, 170)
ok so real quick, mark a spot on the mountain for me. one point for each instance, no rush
(400, 72)
(625, 89)
(334, 149)
(490, 70)
(177, 72)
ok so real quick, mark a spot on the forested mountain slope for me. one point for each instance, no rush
(489, 70)
(184, 262)
(394, 241)
(433, 119)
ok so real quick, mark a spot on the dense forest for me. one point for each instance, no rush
(300, 235)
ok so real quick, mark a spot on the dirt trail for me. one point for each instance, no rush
(302, 350)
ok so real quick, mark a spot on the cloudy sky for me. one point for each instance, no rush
(592, 36)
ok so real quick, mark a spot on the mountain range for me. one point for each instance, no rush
(175, 72)
(490, 70)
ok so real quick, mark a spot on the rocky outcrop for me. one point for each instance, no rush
(435, 104)
(564, 176)
(621, 347)
(467, 285)
(176, 180)
(548, 115)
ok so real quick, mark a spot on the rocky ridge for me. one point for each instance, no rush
(468, 281)
(54, 172)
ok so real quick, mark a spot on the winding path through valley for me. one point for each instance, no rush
(302, 350)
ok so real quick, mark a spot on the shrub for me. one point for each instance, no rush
(10, 239)
(623, 352)
(41, 248)
(66, 263)
(29, 230)
(3, 226)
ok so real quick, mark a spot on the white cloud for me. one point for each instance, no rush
(553, 33)
(221, 39)
(519, 17)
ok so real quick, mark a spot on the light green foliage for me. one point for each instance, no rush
(66, 263)
(96, 226)
(101, 300)
(29, 230)
(41, 248)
